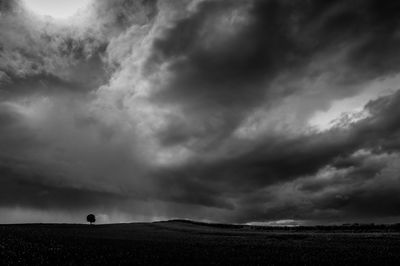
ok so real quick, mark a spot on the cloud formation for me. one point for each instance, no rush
(201, 109)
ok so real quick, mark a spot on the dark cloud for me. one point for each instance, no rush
(33, 59)
(8, 6)
(278, 160)
(33, 194)
(44, 84)
(202, 109)
(223, 60)
(122, 14)
(63, 56)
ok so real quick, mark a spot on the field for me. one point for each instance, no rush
(182, 242)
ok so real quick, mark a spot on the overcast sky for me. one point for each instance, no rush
(227, 111)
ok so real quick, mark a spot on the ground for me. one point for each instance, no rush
(181, 242)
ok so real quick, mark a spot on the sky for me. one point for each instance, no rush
(247, 111)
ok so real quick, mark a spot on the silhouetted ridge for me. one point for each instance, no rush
(198, 223)
(354, 227)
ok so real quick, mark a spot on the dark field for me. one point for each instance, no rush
(179, 242)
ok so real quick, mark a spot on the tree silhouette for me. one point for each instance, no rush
(91, 218)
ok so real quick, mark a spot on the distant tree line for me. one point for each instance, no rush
(353, 227)
(348, 227)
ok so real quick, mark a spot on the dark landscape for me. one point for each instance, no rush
(276, 123)
(193, 243)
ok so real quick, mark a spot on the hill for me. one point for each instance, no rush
(195, 243)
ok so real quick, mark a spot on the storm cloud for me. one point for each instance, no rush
(228, 111)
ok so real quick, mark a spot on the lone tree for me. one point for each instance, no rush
(91, 218)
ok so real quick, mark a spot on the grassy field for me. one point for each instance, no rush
(179, 242)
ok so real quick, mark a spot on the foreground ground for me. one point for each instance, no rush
(179, 242)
